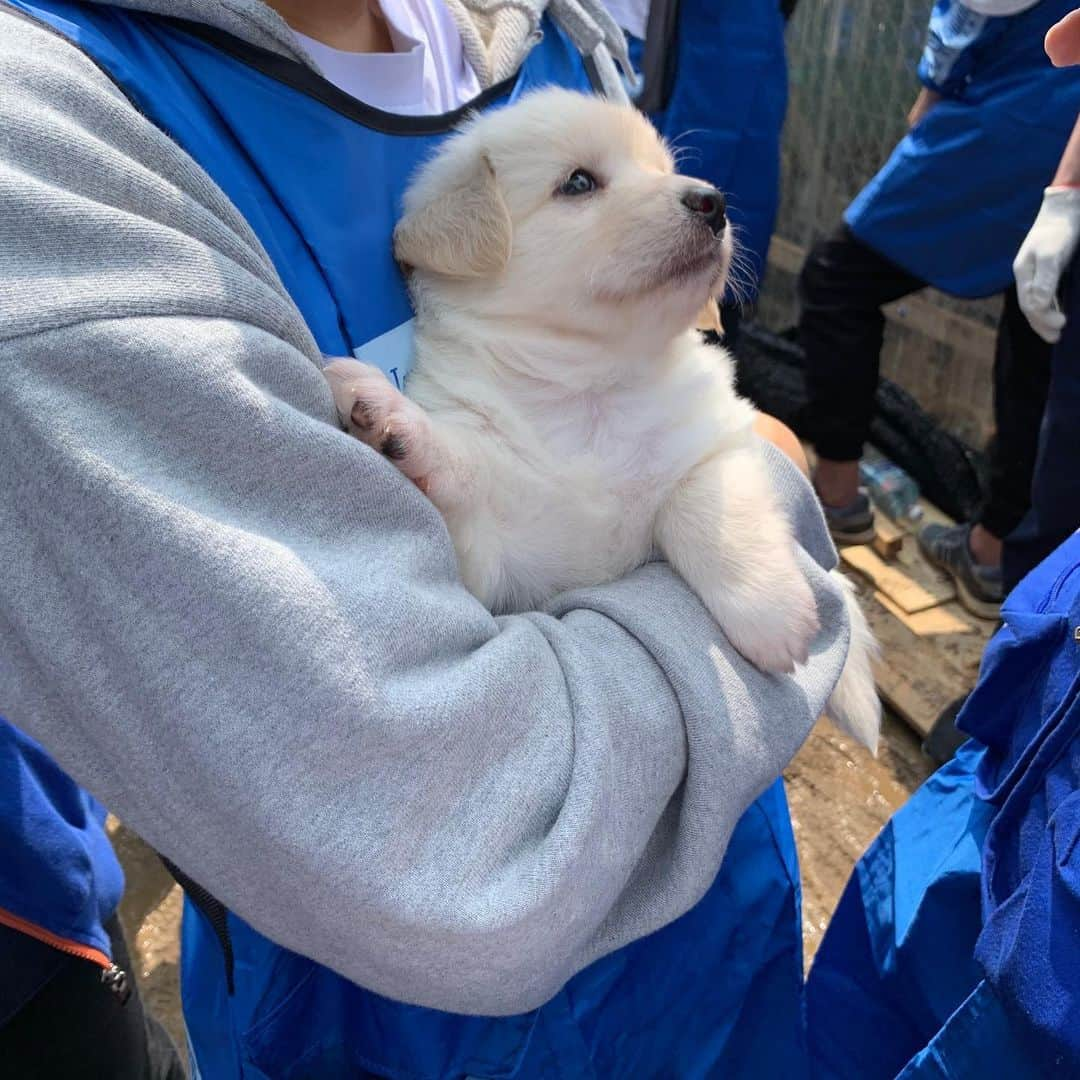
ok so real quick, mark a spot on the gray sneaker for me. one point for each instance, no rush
(979, 587)
(851, 524)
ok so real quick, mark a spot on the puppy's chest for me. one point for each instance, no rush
(632, 445)
(614, 460)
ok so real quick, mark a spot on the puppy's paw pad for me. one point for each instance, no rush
(378, 414)
(362, 394)
(363, 416)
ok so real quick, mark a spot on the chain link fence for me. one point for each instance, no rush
(852, 80)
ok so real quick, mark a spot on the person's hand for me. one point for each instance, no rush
(1063, 40)
(926, 100)
(1043, 257)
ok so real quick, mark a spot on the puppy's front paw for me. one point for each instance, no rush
(378, 414)
(774, 625)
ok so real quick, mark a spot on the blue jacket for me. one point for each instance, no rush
(958, 194)
(716, 993)
(955, 951)
(59, 878)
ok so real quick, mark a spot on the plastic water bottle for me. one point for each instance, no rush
(893, 491)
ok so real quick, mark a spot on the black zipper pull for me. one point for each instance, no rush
(116, 980)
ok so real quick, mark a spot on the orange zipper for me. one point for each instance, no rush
(95, 956)
(112, 976)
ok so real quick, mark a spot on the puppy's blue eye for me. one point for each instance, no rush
(579, 182)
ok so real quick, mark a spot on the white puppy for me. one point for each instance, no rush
(563, 414)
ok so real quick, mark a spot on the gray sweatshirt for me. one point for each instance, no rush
(244, 631)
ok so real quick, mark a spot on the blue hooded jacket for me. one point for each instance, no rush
(955, 950)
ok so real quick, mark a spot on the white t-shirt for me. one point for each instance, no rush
(426, 75)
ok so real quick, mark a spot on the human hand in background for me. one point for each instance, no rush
(926, 100)
(1053, 239)
(1063, 40)
(1043, 257)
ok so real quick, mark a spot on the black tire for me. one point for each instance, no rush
(951, 474)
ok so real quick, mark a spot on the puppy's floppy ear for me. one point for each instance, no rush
(463, 232)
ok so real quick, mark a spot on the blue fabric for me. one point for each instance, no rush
(958, 194)
(58, 869)
(896, 960)
(716, 993)
(726, 111)
(955, 38)
(955, 951)
(977, 1040)
(1027, 712)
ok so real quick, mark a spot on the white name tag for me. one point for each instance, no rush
(392, 352)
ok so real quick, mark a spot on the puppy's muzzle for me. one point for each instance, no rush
(708, 204)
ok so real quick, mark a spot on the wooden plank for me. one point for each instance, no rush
(949, 328)
(888, 537)
(912, 676)
(931, 622)
(957, 636)
(786, 256)
(913, 588)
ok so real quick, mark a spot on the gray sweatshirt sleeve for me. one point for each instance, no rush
(244, 632)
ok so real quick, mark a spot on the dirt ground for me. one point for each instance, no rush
(150, 916)
(840, 797)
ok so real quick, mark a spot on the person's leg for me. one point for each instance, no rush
(972, 554)
(75, 1026)
(842, 288)
(1055, 488)
(1021, 382)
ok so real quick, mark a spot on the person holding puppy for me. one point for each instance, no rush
(416, 840)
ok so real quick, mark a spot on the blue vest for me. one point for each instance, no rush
(725, 112)
(319, 177)
(953, 203)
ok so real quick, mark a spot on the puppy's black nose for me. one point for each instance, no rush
(710, 204)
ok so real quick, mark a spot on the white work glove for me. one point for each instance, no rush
(1044, 256)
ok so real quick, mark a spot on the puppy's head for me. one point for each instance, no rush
(567, 209)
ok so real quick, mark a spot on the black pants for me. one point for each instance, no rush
(1055, 488)
(843, 286)
(75, 1028)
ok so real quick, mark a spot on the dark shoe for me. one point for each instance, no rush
(945, 737)
(851, 524)
(979, 587)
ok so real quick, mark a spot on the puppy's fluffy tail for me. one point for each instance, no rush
(854, 706)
